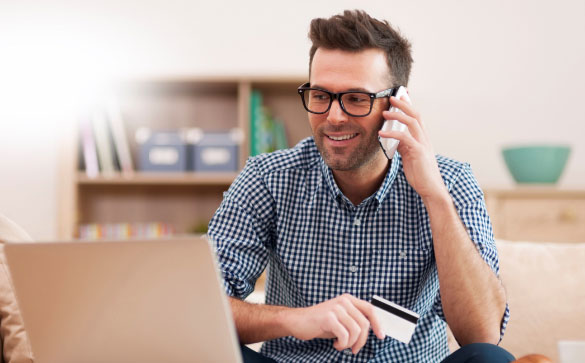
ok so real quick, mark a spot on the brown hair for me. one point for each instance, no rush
(354, 31)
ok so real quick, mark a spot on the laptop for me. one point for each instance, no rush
(123, 301)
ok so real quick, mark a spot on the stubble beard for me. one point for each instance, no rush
(364, 154)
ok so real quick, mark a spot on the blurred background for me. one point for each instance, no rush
(487, 75)
(130, 118)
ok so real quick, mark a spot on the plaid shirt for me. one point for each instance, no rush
(285, 210)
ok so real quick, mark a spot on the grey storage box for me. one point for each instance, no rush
(162, 151)
(215, 151)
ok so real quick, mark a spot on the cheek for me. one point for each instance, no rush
(374, 122)
(383, 105)
(316, 120)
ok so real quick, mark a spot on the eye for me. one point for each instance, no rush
(318, 96)
(357, 98)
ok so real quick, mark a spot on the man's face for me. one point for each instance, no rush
(346, 142)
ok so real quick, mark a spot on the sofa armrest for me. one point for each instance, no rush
(15, 345)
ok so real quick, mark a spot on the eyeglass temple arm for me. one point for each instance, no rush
(387, 93)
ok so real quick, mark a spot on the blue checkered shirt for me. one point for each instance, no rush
(286, 212)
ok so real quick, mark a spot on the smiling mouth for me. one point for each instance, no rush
(342, 137)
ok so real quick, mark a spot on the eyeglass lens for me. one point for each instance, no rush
(357, 104)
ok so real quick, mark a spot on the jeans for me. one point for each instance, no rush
(472, 353)
(480, 353)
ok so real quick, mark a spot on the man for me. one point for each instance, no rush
(338, 222)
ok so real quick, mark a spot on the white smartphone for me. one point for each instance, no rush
(389, 145)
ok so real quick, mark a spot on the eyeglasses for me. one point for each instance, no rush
(354, 103)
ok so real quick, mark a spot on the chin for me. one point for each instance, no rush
(345, 164)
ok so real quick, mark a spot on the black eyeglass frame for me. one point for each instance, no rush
(337, 96)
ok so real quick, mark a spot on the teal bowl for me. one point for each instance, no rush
(536, 164)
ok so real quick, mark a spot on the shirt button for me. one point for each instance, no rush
(347, 351)
(356, 222)
(402, 254)
(353, 268)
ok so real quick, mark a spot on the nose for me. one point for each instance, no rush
(336, 114)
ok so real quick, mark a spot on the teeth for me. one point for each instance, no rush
(344, 137)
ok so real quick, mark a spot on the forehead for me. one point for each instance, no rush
(339, 70)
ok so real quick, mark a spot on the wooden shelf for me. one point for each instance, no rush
(537, 213)
(536, 191)
(183, 200)
(142, 178)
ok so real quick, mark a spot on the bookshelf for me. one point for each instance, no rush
(537, 213)
(144, 178)
(186, 200)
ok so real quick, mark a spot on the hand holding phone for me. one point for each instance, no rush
(389, 145)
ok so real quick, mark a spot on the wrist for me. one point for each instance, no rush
(439, 199)
(285, 320)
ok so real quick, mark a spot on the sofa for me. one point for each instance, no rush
(15, 347)
(545, 283)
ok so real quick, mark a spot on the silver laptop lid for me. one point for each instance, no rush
(123, 301)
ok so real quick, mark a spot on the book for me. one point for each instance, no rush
(103, 143)
(96, 231)
(266, 133)
(280, 139)
(88, 148)
(255, 120)
(120, 139)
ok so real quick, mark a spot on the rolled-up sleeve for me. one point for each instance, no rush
(241, 231)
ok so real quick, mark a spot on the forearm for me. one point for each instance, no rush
(259, 322)
(345, 318)
(472, 296)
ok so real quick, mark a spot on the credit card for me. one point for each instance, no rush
(396, 321)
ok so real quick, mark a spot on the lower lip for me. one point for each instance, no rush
(340, 143)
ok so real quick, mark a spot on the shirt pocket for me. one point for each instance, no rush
(405, 274)
(417, 238)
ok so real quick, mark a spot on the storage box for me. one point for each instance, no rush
(215, 151)
(162, 151)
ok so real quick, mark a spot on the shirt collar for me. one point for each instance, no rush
(382, 192)
(329, 180)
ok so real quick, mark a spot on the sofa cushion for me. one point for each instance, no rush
(15, 344)
(545, 283)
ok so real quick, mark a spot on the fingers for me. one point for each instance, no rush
(408, 116)
(404, 137)
(406, 107)
(354, 318)
(363, 325)
(350, 322)
(411, 124)
(341, 334)
(368, 310)
(345, 318)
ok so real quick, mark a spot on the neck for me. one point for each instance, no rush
(359, 184)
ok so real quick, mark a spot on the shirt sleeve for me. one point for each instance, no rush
(470, 204)
(241, 231)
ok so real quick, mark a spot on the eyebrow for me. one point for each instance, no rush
(359, 89)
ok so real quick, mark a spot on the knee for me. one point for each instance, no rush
(480, 353)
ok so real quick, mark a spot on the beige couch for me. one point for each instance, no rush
(546, 293)
(545, 284)
(15, 347)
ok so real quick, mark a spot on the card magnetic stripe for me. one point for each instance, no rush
(392, 310)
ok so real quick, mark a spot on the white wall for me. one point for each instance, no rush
(486, 74)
